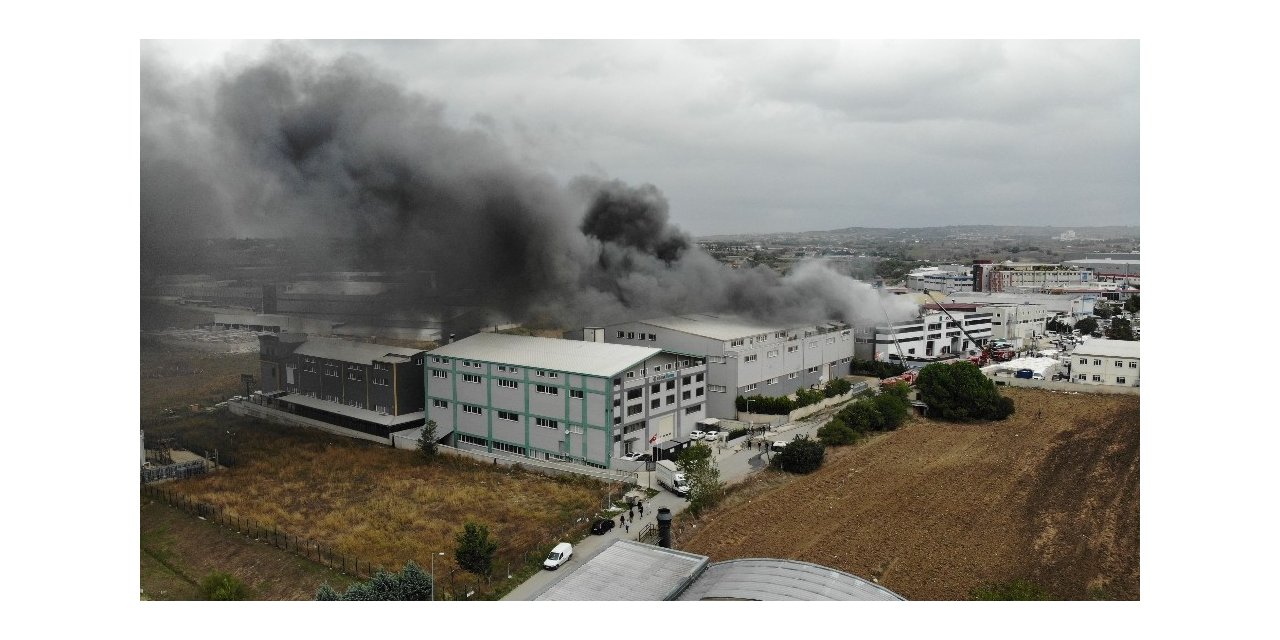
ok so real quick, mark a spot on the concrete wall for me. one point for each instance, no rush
(1065, 386)
(245, 408)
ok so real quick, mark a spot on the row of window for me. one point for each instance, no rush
(1097, 362)
(631, 335)
(662, 367)
(1098, 378)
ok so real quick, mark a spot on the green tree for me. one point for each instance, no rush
(959, 392)
(1087, 326)
(893, 410)
(835, 433)
(801, 455)
(475, 550)
(412, 583)
(1120, 329)
(1103, 310)
(1131, 305)
(700, 471)
(222, 586)
(836, 386)
(861, 416)
(427, 440)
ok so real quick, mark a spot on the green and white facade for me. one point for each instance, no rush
(553, 399)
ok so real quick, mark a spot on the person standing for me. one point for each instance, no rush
(632, 511)
(628, 527)
(641, 505)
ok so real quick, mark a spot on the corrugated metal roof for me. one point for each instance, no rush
(348, 351)
(628, 570)
(572, 356)
(1108, 348)
(777, 579)
(713, 326)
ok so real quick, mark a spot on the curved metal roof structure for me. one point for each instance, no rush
(777, 579)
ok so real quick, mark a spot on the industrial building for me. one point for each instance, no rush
(1106, 362)
(932, 335)
(746, 357)
(371, 388)
(565, 400)
(1107, 266)
(1018, 324)
(1073, 306)
(944, 278)
(626, 570)
(1025, 276)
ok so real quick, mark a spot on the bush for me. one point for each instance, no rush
(766, 405)
(876, 368)
(223, 586)
(836, 387)
(412, 583)
(475, 550)
(801, 455)
(893, 410)
(806, 397)
(959, 392)
(835, 433)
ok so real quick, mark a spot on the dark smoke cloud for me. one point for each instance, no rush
(289, 145)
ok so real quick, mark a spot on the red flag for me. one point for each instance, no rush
(653, 439)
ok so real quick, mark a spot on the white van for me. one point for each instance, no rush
(558, 556)
(777, 446)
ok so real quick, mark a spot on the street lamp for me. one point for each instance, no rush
(433, 573)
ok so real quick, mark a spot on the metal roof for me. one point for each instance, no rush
(777, 579)
(351, 412)
(628, 570)
(571, 356)
(714, 326)
(1108, 348)
(355, 352)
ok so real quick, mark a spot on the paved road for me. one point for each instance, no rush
(736, 461)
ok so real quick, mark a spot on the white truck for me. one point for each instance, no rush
(671, 478)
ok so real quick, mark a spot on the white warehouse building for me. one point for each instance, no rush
(930, 336)
(944, 278)
(567, 400)
(746, 357)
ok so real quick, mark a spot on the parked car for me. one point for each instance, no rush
(695, 435)
(558, 556)
(778, 445)
(632, 456)
(601, 527)
(711, 435)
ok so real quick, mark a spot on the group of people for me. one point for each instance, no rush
(622, 519)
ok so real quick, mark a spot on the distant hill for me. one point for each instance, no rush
(976, 230)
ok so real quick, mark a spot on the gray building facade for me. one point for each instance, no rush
(745, 357)
(565, 400)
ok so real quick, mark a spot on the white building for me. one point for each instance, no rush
(553, 399)
(745, 357)
(1019, 324)
(932, 335)
(1107, 266)
(1074, 306)
(944, 278)
(1026, 276)
(1110, 362)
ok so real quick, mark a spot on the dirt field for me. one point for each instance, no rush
(935, 510)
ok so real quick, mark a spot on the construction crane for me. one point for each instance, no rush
(987, 354)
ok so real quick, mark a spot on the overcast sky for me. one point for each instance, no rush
(757, 136)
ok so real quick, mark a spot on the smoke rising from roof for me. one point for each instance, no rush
(292, 145)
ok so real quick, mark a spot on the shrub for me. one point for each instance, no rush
(876, 368)
(861, 416)
(412, 583)
(427, 440)
(806, 397)
(836, 433)
(836, 387)
(766, 405)
(893, 410)
(222, 586)
(801, 455)
(475, 550)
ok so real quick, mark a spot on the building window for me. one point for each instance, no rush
(1097, 378)
(698, 392)
(751, 387)
(508, 415)
(617, 419)
(772, 354)
(687, 380)
(575, 428)
(812, 370)
(717, 388)
(631, 335)
(1083, 377)
(671, 399)
(697, 378)
(657, 388)
(655, 403)
(792, 376)
(634, 409)
(1084, 361)
(472, 364)
(793, 348)
(470, 408)
(750, 358)
(653, 338)
(439, 359)
(671, 384)
(1097, 362)
(631, 374)
(736, 343)
(694, 409)
(436, 373)
(382, 382)
(635, 393)
(1133, 365)
(831, 340)
(622, 334)
(509, 448)
(466, 377)
(773, 381)
(439, 404)
(575, 393)
(686, 395)
(382, 408)
(510, 384)
(542, 388)
(546, 423)
(1119, 379)
(470, 439)
(1119, 363)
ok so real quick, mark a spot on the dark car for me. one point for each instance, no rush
(601, 527)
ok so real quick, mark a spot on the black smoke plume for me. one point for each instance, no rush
(288, 145)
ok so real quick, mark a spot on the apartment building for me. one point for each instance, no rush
(745, 357)
(1026, 276)
(566, 400)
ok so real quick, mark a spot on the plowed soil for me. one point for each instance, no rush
(935, 510)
